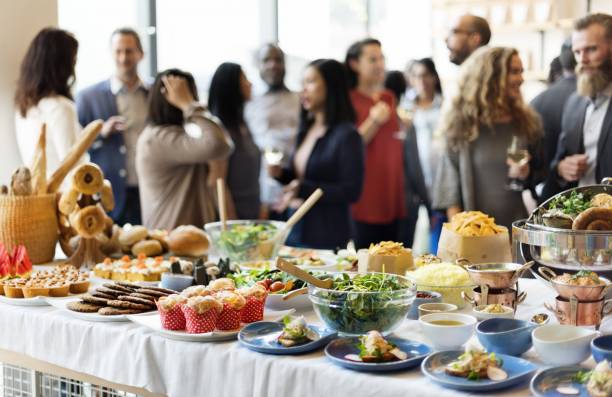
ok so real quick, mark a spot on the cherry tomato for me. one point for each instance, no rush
(277, 286)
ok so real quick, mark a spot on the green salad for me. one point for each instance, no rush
(573, 204)
(364, 302)
(274, 280)
(248, 242)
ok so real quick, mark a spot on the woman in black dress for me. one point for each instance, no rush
(328, 155)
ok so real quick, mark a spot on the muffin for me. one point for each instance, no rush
(196, 290)
(233, 303)
(201, 314)
(170, 312)
(222, 284)
(255, 297)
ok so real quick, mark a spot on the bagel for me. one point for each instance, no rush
(106, 196)
(88, 179)
(594, 218)
(89, 221)
(68, 201)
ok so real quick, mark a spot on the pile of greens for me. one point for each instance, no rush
(363, 303)
(239, 240)
(573, 204)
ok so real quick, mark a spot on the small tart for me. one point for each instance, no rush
(79, 287)
(59, 291)
(34, 291)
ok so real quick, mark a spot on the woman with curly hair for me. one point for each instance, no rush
(479, 126)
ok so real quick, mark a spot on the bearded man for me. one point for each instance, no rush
(584, 154)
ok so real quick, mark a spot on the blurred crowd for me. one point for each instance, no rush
(382, 145)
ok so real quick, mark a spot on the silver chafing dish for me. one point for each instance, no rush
(564, 248)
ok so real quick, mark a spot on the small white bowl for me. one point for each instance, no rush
(563, 344)
(480, 315)
(436, 307)
(448, 337)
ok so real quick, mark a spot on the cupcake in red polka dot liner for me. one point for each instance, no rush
(196, 290)
(255, 296)
(170, 312)
(201, 314)
(233, 303)
(222, 284)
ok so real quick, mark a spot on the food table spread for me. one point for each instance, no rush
(129, 354)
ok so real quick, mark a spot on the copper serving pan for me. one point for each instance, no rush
(573, 312)
(494, 275)
(485, 296)
(581, 292)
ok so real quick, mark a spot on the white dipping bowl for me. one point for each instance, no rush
(563, 344)
(481, 316)
(447, 337)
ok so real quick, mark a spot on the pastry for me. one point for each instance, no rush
(59, 291)
(171, 313)
(133, 235)
(147, 247)
(127, 305)
(201, 314)
(83, 307)
(222, 284)
(594, 218)
(88, 179)
(188, 240)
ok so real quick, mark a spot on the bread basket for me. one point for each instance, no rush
(31, 221)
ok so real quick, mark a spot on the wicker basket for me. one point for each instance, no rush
(31, 221)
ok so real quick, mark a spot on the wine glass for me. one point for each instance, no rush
(517, 152)
(273, 155)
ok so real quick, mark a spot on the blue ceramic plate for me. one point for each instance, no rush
(262, 337)
(338, 349)
(518, 371)
(545, 383)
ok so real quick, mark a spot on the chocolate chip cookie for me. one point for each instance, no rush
(109, 291)
(94, 300)
(128, 305)
(127, 284)
(83, 307)
(160, 289)
(143, 296)
(117, 287)
(102, 295)
(135, 299)
(113, 311)
(151, 292)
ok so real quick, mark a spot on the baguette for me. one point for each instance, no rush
(87, 137)
(39, 163)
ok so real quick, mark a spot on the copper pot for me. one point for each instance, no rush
(494, 275)
(583, 293)
(574, 312)
(483, 295)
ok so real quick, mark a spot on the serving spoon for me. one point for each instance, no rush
(303, 275)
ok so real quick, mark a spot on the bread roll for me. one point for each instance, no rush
(21, 182)
(133, 235)
(188, 240)
(161, 236)
(147, 247)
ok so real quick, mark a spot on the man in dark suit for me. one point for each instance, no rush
(551, 102)
(121, 100)
(584, 154)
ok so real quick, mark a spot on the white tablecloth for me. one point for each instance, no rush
(128, 354)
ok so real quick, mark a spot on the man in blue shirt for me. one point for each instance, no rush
(121, 99)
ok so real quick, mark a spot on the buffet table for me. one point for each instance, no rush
(128, 354)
